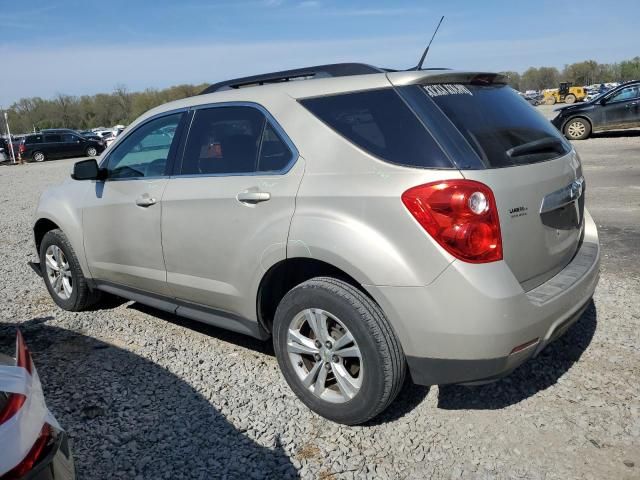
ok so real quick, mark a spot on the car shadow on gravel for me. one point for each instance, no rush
(409, 397)
(239, 339)
(530, 378)
(131, 418)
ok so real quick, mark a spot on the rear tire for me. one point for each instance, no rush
(92, 152)
(38, 156)
(374, 364)
(577, 129)
(62, 274)
(571, 98)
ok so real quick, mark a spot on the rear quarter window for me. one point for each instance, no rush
(379, 122)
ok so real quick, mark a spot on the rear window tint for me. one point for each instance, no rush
(502, 128)
(53, 138)
(379, 122)
(33, 139)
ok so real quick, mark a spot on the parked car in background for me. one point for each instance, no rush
(618, 108)
(533, 99)
(50, 145)
(32, 445)
(15, 142)
(422, 221)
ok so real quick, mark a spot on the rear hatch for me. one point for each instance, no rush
(495, 137)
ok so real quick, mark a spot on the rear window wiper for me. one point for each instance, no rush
(536, 146)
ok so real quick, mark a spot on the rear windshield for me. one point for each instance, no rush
(379, 122)
(502, 128)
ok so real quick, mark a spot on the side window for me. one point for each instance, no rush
(275, 155)
(223, 140)
(379, 122)
(70, 138)
(145, 151)
(628, 93)
(53, 138)
(34, 139)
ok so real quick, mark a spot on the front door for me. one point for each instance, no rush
(622, 110)
(226, 214)
(73, 145)
(121, 218)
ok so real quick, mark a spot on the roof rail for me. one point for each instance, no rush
(319, 71)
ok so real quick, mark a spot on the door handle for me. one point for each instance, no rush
(252, 198)
(145, 201)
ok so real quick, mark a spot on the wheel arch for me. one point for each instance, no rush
(40, 228)
(288, 273)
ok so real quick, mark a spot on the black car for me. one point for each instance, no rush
(616, 109)
(50, 144)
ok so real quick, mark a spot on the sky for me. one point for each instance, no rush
(83, 47)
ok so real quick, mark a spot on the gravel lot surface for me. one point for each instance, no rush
(147, 395)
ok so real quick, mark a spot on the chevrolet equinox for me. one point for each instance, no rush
(370, 222)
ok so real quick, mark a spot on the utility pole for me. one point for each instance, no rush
(6, 121)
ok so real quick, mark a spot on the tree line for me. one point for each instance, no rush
(89, 111)
(122, 106)
(588, 72)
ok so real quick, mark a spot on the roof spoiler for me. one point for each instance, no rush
(446, 76)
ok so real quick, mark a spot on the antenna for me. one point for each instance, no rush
(424, 55)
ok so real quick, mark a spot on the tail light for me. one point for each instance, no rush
(32, 457)
(15, 400)
(15, 403)
(22, 148)
(460, 215)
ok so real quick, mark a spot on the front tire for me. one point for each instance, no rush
(551, 100)
(38, 157)
(92, 152)
(571, 98)
(337, 351)
(577, 129)
(62, 274)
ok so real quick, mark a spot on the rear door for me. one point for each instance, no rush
(534, 173)
(622, 110)
(227, 211)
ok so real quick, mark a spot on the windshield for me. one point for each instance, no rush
(498, 124)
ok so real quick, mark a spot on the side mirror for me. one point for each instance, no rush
(603, 101)
(87, 170)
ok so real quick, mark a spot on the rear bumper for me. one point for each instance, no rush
(438, 371)
(465, 326)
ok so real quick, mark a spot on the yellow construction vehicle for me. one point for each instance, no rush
(565, 93)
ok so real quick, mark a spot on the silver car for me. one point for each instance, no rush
(370, 222)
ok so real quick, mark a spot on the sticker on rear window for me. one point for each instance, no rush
(446, 89)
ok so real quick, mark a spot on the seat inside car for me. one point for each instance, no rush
(235, 154)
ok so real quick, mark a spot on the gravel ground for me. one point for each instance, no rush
(147, 395)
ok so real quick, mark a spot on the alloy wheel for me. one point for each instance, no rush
(91, 152)
(325, 355)
(59, 272)
(39, 157)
